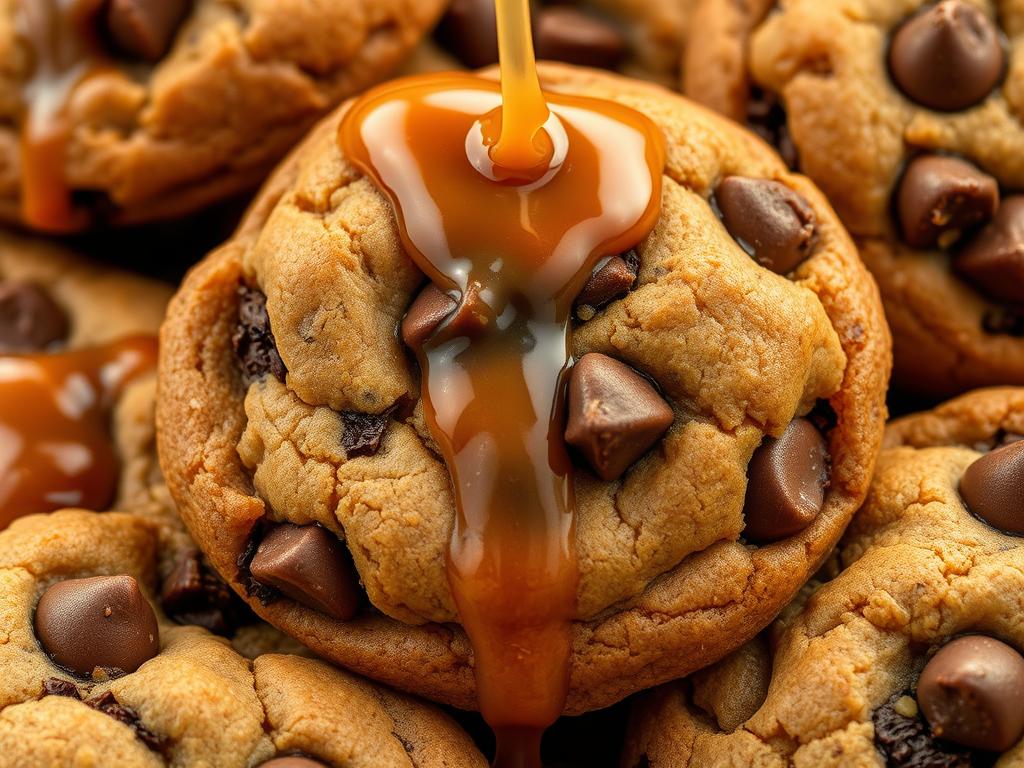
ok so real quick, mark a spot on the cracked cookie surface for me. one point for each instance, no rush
(667, 581)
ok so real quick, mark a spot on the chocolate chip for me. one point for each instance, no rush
(144, 29)
(947, 57)
(193, 594)
(970, 692)
(769, 220)
(54, 686)
(108, 704)
(253, 340)
(30, 320)
(99, 622)
(610, 279)
(786, 483)
(567, 34)
(905, 742)
(309, 565)
(1005, 321)
(994, 259)
(426, 313)
(470, 30)
(615, 414)
(939, 198)
(992, 488)
(767, 118)
(363, 433)
(292, 761)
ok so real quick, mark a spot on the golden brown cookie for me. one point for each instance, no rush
(911, 656)
(93, 674)
(288, 407)
(908, 116)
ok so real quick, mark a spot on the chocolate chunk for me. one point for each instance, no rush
(30, 320)
(767, 118)
(99, 622)
(193, 594)
(363, 432)
(994, 259)
(108, 704)
(293, 761)
(144, 29)
(939, 198)
(426, 313)
(1004, 321)
(309, 565)
(470, 30)
(54, 686)
(610, 279)
(786, 483)
(615, 414)
(905, 742)
(253, 340)
(993, 488)
(947, 57)
(970, 692)
(769, 220)
(567, 34)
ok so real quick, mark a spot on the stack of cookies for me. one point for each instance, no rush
(225, 510)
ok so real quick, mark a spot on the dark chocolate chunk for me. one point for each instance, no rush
(108, 704)
(309, 565)
(767, 118)
(786, 483)
(363, 432)
(144, 29)
(905, 742)
(54, 686)
(947, 57)
(615, 414)
(99, 622)
(940, 198)
(193, 593)
(970, 692)
(426, 313)
(293, 761)
(1004, 321)
(769, 220)
(993, 488)
(470, 30)
(30, 320)
(993, 261)
(610, 279)
(564, 33)
(253, 340)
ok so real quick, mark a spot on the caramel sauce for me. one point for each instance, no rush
(506, 201)
(66, 51)
(55, 444)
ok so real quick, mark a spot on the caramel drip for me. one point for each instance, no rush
(65, 50)
(55, 444)
(513, 235)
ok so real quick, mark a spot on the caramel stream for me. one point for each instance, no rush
(55, 444)
(507, 206)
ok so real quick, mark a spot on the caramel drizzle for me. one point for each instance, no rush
(507, 205)
(55, 445)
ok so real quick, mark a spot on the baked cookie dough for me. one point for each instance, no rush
(290, 431)
(907, 114)
(911, 656)
(156, 109)
(94, 674)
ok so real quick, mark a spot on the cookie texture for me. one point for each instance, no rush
(835, 681)
(667, 582)
(196, 701)
(241, 81)
(840, 77)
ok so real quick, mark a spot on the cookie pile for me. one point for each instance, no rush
(226, 516)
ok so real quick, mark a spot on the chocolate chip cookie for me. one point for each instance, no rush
(123, 111)
(912, 655)
(293, 439)
(907, 114)
(94, 674)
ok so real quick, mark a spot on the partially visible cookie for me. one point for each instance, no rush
(912, 655)
(92, 673)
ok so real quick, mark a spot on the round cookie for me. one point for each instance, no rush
(191, 700)
(166, 107)
(292, 412)
(908, 116)
(911, 656)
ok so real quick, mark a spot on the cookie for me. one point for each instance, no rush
(129, 111)
(94, 674)
(911, 656)
(291, 432)
(639, 38)
(907, 114)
